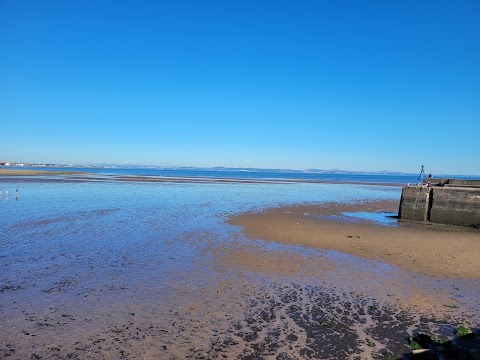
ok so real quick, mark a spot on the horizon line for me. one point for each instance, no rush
(21, 164)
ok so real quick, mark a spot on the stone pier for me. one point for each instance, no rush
(449, 201)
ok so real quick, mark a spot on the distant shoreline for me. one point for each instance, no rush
(15, 172)
(75, 176)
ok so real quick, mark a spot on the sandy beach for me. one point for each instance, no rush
(438, 251)
(110, 270)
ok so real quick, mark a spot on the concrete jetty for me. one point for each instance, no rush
(442, 201)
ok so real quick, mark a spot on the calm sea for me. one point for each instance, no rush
(254, 174)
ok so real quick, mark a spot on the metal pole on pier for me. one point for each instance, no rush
(421, 177)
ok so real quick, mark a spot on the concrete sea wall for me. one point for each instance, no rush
(414, 203)
(452, 182)
(443, 205)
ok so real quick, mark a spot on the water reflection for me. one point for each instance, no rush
(128, 233)
(382, 218)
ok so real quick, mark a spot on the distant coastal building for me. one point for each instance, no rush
(442, 201)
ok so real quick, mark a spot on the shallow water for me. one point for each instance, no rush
(382, 218)
(140, 270)
(110, 225)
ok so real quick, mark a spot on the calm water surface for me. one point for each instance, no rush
(135, 230)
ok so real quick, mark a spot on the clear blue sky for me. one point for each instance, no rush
(354, 85)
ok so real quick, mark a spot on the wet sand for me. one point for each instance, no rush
(274, 305)
(438, 251)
